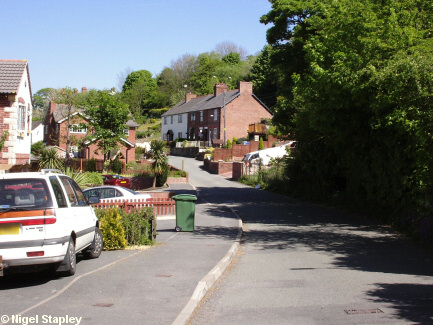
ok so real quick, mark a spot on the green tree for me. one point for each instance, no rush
(107, 116)
(159, 157)
(41, 99)
(69, 98)
(140, 92)
(355, 89)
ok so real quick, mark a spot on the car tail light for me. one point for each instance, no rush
(34, 254)
(49, 218)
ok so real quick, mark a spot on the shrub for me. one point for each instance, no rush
(112, 229)
(161, 179)
(37, 147)
(91, 165)
(94, 178)
(137, 226)
(116, 166)
(261, 145)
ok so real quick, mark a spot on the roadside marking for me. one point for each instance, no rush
(71, 283)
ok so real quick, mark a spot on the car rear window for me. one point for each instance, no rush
(24, 193)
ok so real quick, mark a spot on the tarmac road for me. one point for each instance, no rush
(304, 264)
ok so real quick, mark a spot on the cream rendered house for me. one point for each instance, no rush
(15, 113)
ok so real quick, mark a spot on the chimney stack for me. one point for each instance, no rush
(189, 96)
(220, 88)
(245, 86)
(84, 90)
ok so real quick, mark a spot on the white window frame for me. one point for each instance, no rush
(21, 119)
(215, 133)
(179, 118)
(179, 135)
(171, 119)
(193, 116)
(215, 114)
(76, 128)
(201, 116)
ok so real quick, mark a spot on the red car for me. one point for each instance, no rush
(116, 180)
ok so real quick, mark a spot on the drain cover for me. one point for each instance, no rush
(363, 311)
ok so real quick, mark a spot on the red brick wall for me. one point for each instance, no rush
(242, 112)
(238, 170)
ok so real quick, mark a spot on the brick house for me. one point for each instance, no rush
(55, 132)
(204, 118)
(15, 112)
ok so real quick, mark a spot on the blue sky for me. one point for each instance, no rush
(89, 43)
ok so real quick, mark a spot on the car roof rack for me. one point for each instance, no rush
(48, 170)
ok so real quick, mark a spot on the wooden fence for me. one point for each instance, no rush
(161, 206)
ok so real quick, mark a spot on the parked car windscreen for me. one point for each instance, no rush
(24, 193)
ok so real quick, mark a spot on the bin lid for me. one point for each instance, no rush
(184, 197)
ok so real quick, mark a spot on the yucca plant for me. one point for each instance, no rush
(49, 158)
(80, 178)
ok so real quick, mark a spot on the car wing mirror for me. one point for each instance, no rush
(93, 200)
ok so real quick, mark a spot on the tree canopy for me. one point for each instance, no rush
(107, 117)
(355, 86)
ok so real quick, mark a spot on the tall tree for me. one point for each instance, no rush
(107, 116)
(356, 87)
(69, 98)
(139, 92)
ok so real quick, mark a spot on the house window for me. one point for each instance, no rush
(192, 116)
(21, 117)
(215, 115)
(46, 129)
(76, 128)
(179, 118)
(179, 135)
(165, 119)
(57, 128)
(215, 133)
(126, 131)
(171, 118)
(201, 116)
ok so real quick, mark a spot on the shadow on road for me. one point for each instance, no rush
(281, 223)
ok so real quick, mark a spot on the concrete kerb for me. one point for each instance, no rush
(209, 280)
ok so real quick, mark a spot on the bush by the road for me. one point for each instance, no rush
(120, 229)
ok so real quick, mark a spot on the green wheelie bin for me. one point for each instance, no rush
(185, 211)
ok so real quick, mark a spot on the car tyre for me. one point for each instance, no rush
(178, 229)
(70, 259)
(95, 249)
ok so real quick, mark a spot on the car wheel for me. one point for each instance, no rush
(70, 259)
(178, 229)
(95, 248)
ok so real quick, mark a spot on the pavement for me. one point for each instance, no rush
(218, 231)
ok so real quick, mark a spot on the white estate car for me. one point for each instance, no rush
(45, 220)
(106, 192)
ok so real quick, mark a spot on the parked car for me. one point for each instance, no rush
(264, 156)
(105, 192)
(116, 180)
(45, 220)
